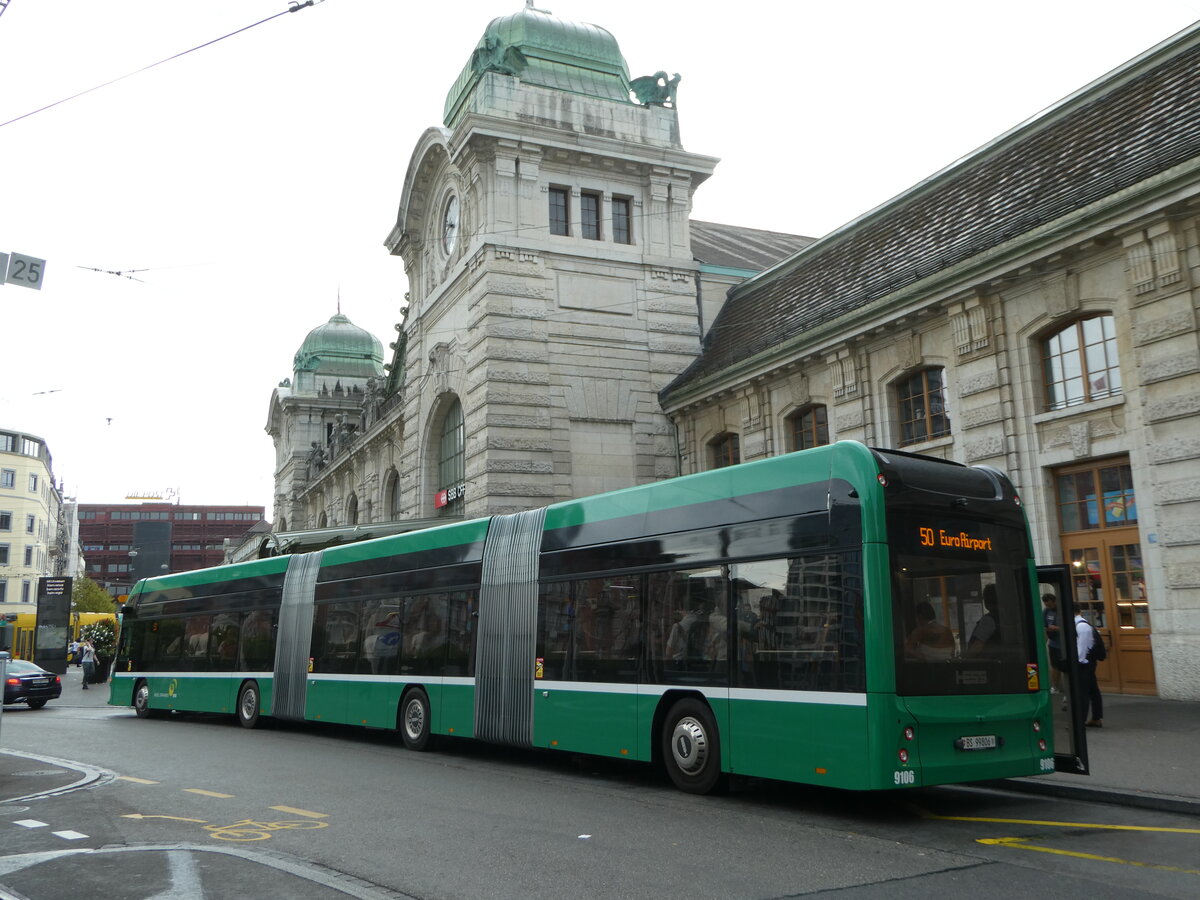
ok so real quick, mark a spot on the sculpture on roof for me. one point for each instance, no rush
(656, 89)
(496, 56)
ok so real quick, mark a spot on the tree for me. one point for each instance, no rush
(87, 596)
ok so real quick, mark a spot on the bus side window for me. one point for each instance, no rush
(556, 631)
(256, 650)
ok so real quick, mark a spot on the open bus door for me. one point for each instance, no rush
(1070, 735)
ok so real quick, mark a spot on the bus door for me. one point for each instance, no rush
(1058, 612)
(585, 679)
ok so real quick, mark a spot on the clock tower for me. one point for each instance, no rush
(544, 229)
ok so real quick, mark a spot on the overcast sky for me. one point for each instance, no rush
(254, 179)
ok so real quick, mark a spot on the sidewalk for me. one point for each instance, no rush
(1145, 755)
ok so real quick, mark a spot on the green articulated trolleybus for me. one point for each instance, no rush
(840, 616)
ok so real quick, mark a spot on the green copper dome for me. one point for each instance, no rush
(541, 49)
(340, 348)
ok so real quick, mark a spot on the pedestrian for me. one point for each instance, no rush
(87, 654)
(75, 652)
(1085, 637)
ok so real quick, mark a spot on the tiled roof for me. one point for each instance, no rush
(743, 248)
(1108, 137)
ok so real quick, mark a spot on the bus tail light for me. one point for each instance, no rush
(909, 733)
(1037, 726)
(882, 479)
(1042, 744)
(903, 755)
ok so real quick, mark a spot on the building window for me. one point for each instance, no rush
(622, 220)
(7, 442)
(560, 222)
(392, 501)
(33, 482)
(26, 591)
(8, 478)
(810, 427)
(87, 514)
(30, 448)
(1080, 363)
(28, 557)
(452, 459)
(922, 407)
(725, 450)
(5, 521)
(1097, 497)
(30, 523)
(589, 215)
(352, 510)
(3, 554)
(3, 590)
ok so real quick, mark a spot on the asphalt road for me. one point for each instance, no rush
(190, 807)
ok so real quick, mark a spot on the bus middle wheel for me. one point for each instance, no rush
(691, 747)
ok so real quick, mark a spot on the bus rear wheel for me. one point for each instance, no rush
(414, 719)
(691, 747)
(247, 705)
(141, 701)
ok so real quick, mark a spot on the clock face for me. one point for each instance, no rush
(450, 225)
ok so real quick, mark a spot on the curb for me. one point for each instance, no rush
(89, 776)
(1189, 806)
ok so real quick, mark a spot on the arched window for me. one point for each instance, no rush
(809, 427)
(1079, 363)
(282, 524)
(323, 521)
(352, 510)
(451, 460)
(921, 401)
(391, 501)
(725, 450)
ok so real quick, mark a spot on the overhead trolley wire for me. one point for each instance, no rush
(293, 6)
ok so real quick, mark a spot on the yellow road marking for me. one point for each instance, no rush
(1021, 844)
(136, 780)
(301, 812)
(176, 818)
(205, 793)
(1064, 824)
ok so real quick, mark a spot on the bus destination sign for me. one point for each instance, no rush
(952, 540)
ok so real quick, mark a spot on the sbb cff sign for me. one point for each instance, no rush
(446, 496)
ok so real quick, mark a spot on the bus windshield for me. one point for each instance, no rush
(961, 607)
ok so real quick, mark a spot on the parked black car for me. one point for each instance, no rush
(26, 683)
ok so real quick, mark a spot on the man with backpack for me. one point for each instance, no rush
(1091, 649)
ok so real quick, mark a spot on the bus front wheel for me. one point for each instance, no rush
(414, 719)
(247, 705)
(691, 747)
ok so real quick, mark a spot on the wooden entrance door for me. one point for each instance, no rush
(1098, 514)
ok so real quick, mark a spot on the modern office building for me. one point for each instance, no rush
(124, 542)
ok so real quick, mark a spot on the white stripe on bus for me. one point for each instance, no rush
(828, 698)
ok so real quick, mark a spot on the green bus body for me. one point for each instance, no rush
(766, 619)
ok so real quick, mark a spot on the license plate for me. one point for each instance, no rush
(41, 681)
(978, 742)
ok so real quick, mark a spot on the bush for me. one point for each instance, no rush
(103, 636)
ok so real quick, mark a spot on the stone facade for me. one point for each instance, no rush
(555, 346)
(971, 274)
